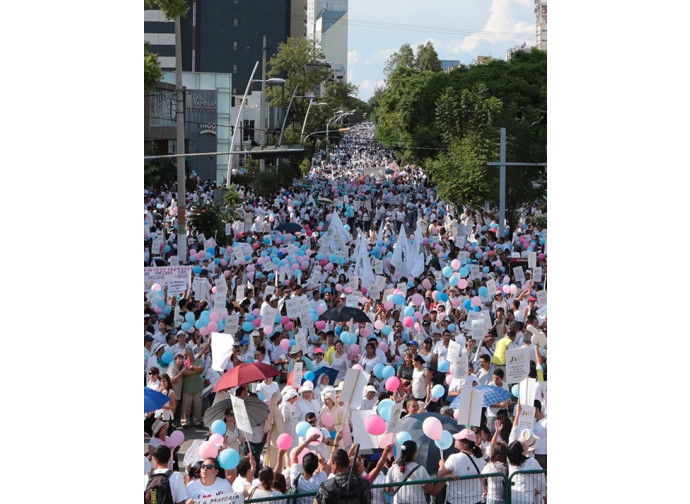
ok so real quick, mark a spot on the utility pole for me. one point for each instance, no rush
(179, 118)
(262, 118)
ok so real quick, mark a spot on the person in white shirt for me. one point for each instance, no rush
(160, 459)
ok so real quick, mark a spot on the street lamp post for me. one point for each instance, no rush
(318, 104)
(337, 117)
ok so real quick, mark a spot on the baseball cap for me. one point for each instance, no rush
(466, 434)
(147, 338)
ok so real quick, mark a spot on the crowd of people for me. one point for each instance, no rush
(357, 209)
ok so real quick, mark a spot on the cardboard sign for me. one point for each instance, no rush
(354, 282)
(361, 436)
(220, 301)
(541, 297)
(241, 417)
(177, 278)
(531, 260)
(378, 266)
(353, 387)
(239, 292)
(526, 418)
(232, 324)
(470, 409)
(396, 411)
(519, 274)
(454, 350)
(478, 331)
(462, 368)
(222, 498)
(491, 286)
(292, 307)
(297, 374)
(517, 364)
(192, 454)
(221, 350)
(527, 391)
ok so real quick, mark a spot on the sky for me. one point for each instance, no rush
(458, 29)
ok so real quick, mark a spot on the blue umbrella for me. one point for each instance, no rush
(332, 374)
(492, 395)
(153, 400)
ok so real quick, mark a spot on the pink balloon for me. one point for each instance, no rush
(311, 432)
(455, 302)
(462, 283)
(386, 439)
(408, 321)
(355, 350)
(417, 299)
(204, 331)
(448, 379)
(348, 290)
(268, 330)
(214, 290)
(256, 322)
(358, 367)
(383, 346)
(513, 289)
(426, 284)
(256, 312)
(364, 289)
(376, 425)
(433, 428)
(328, 267)
(365, 333)
(212, 326)
(388, 305)
(216, 439)
(320, 324)
(284, 441)
(476, 301)
(284, 344)
(327, 419)
(506, 289)
(285, 319)
(208, 450)
(378, 325)
(176, 438)
(338, 287)
(289, 326)
(455, 264)
(320, 309)
(392, 384)
(215, 316)
(156, 287)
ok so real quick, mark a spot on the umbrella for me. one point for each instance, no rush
(344, 313)
(332, 374)
(245, 373)
(492, 395)
(153, 400)
(429, 453)
(325, 200)
(257, 411)
(289, 227)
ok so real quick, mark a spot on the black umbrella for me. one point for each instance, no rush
(429, 453)
(289, 227)
(345, 313)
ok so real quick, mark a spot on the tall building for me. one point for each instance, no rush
(540, 11)
(327, 24)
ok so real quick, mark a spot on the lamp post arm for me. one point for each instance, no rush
(237, 122)
(287, 112)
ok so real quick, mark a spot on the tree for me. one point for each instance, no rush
(152, 69)
(171, 9)
(403, 58)
(427, 58)
(205, 217)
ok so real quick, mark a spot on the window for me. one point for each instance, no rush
(234, 68)
(163, 108)
(235, 22)
(234, 46)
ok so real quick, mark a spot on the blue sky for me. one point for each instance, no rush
(459, 30)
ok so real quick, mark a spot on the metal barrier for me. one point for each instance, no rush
(522, 487)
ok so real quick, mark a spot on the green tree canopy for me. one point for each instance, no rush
(427, 58)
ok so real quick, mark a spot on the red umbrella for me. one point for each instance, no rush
(245, 373)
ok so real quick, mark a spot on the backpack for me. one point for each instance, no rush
(343, 495)
(290, 492)
(158, 489)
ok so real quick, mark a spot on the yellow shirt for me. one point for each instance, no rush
(329, 354)
(499, 357)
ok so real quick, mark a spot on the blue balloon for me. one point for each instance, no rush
(249, 317)
(301, 428)
(447, 271)
(247, 326)
(403, 436)
(437, 391)
(219, 427)
(486, 269)
(399, 299)
(439, 286)
(338, 330)
(228, 458)
(167, 357)
(345, 336)
(160, 303)
(408, 311)
(386, 330)
(446, 440)
(186, 326)
(451, 327)
(384, 409)
(453, 281)
(443, 366)
(387, 372)
(378, 370)
(483, 291)
(444, 297)
(309, 376)
(196, 270)
(467, 304)
(199, 324)
(463, 272)
(477, 308)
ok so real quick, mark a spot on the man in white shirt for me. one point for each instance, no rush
(160, 458)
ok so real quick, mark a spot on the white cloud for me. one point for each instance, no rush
(368, 86)
(352, 58)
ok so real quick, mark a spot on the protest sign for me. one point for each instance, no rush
(526, 418)
(355, 381)
(517, 364)
(241, 417)
(176, 278)
(470, 409)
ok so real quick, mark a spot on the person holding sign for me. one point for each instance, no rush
(209, 483)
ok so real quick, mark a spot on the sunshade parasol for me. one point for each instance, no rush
(153, 400)
(345, 313)
(429, 453)
(289, 227)
(332, 374)
(245, 373)
(257, 411)
(492, 395)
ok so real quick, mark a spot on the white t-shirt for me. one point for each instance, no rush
(465, 491)
(176, 485)
(408, 494)
(197, 490)
(526, 484)
(305, 485)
